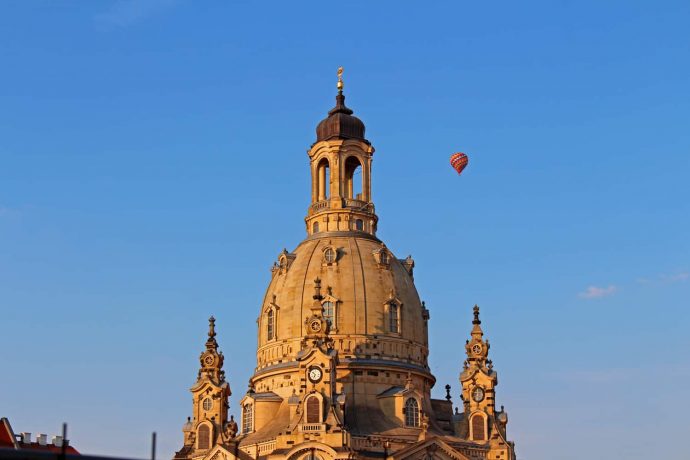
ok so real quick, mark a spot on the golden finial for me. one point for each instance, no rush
(340, 78)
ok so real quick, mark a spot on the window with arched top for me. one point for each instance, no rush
(315, 227)
(207, 404)
(384, 258)
(393, 318)
(411, 412)
(311, 456)
(204, 437)
(329, 313)
(359, 225)
(270, 325)
(323, 180)
(478, 433)
(247, 418)
(353, 178)
(313, 409)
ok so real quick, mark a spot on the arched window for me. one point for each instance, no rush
(353, 178)
(311, 456)
(204, 437)
(323, 180)
(313, 410)
(393, 318)
(207, 404)
(384, 257)
(315, 227)
(329, 313)
(411, 412)
(359, 225)
(247, 418)
(270, 325)
(478, 428)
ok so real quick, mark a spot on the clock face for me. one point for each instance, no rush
(208, 360)
(476, 348)
(315, 325)
(478, 394)
(315, 374)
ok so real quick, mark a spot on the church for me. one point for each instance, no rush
(342, 358)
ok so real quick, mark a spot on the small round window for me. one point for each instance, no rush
(207, 404)
(329, 255)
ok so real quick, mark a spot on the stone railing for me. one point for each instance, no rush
(357, 204)
(380, 444)
(319, 206)
(266, 447)
(312, 427)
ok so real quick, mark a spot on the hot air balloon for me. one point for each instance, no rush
(458, 161)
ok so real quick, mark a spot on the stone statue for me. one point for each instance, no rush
(231, 428)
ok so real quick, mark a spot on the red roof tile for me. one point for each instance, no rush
(6, 434)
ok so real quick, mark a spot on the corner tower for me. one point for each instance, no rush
(208, 429)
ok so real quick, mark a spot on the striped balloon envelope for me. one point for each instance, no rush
(458, 161)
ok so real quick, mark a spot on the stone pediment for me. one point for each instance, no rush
(201, 385)
(225, 453)
(316, 353)
(433, 448)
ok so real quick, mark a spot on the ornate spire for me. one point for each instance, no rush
(477, 332)
(477, 348)
(211, 359)
(211, 343)
(209, 401)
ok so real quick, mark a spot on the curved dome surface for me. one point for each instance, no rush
(340, 123)
(361, 279)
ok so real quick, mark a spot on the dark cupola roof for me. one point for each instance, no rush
(340, 123)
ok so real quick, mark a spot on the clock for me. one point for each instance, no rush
(315, 374)
(478, 394)
(208, 360)
(477, 348)
(315, 325)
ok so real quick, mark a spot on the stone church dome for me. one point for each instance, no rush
(372, 306)
(341, 360)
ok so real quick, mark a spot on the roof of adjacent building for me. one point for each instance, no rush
(9, 440)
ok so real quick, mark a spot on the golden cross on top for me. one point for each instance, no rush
(340, 78)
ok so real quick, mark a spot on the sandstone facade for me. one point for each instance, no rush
(342, 368)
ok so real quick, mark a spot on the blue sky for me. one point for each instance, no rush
(152, 167)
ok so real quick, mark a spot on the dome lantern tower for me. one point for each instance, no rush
(340, 162)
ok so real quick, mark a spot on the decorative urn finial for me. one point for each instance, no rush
(212, 327)
(476, 315)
